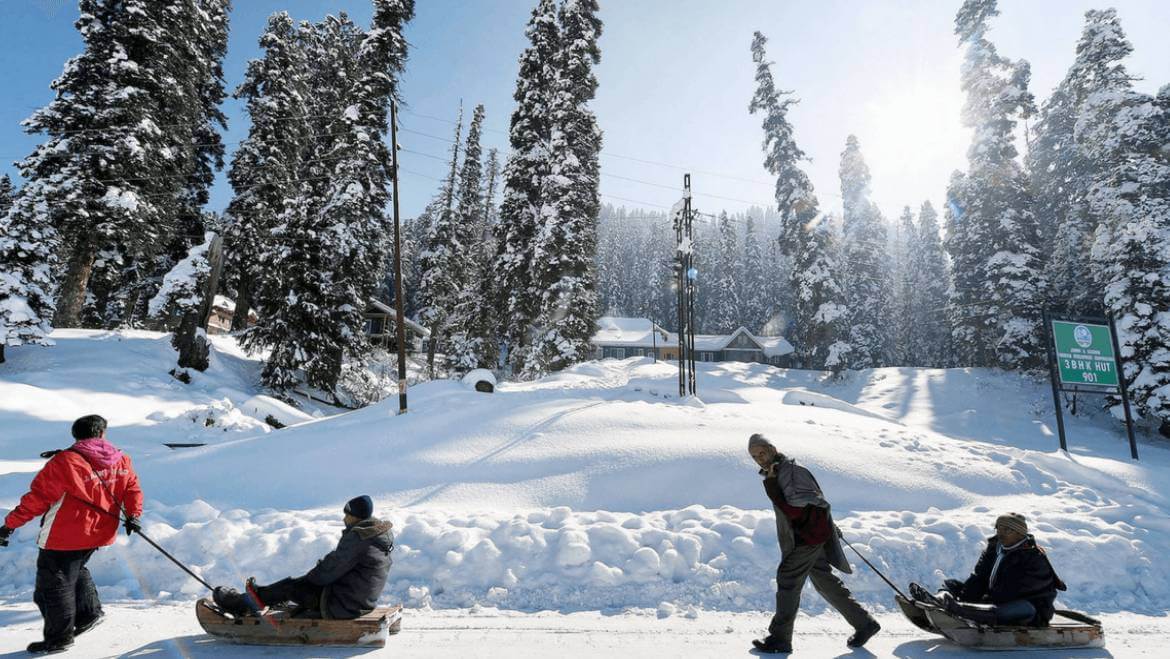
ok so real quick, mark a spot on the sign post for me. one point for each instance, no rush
(1084, 358)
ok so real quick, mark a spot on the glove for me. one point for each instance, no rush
(4, 533)
(132, 525)
(953, 586)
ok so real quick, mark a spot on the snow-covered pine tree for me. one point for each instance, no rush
(970, 327)
(331, 240)
(725, 313)
(753, 295)
(928, 271)
(527, 167)
(438, 262)
(28, 256)
(1060, 171)
(821, 321)
(189, 151)
(999, 204)
(7, 194)
(865, 262)
(905, 303)
(482, 316)
(565, 245)
(782, 157)
(465, 350)
(1127, 135)
(266, 165)
(820, 315)
(97, 172)
(352, 219)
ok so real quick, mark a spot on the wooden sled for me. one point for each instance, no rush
(277, 628)
(1076, 630)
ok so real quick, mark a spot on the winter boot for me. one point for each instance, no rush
(864, 634)
(231, 601)
(772, 645)
(923, 595)
(82, 627)
(50, 647)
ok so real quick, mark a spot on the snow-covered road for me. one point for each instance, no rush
(171, 631)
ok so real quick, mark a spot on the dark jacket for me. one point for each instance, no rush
(353, 574)
(1024, 574)
(799, 488)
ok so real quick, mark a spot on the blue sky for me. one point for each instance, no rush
(675, 81)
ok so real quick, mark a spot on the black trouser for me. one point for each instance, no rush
(291, 589)
(65, 593)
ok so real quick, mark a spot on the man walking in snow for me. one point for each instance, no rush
(345, 584)
(1013, 582)
(809, 549)
(80, 494)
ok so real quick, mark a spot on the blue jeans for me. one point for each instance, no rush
(1016, 612)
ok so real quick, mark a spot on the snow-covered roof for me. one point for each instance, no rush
(224, 302)
(382, 307)
(635, 333)
(629, 332)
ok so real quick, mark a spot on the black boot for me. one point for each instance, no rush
(230, 600)
(82, 627)
(772, 645)
(864, 634)
(50, 647)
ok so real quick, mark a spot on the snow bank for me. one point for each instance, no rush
(559, 559)
(593, 488)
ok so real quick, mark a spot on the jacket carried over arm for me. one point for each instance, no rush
(80, 502)
(1024, 573)
(354, 573)
(805, 514)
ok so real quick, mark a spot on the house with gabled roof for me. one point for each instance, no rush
(619, 338)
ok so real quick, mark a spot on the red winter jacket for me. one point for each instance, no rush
(70, 478)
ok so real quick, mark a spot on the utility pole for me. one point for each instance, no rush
(691, 274)
(684, 236)
(399, 314)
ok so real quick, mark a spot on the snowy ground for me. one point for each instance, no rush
(171, 631)
(589, 493)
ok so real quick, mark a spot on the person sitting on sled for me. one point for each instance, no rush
(344, 585)
(1013, 582)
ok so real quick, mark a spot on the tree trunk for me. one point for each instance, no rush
(191, 336)
(1, 353)
(71, 298)
(431, 342)
(243, 304)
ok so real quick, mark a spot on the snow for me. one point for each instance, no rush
(583, 502)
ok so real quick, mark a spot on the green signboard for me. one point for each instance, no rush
(1084, 354)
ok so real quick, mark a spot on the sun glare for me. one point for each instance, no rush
(912, 139)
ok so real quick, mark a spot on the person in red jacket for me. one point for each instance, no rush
(81, 495)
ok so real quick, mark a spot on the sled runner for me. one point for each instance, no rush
(277, 628)
(1076, 630)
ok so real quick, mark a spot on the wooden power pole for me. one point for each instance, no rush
(399, 314)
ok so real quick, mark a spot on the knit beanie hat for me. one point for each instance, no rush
(759, 440)
(1012, 522)
(360, 507)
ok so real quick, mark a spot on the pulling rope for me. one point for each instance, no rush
(154, 544)
(871, 566)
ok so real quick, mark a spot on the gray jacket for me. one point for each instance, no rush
(800, 489)
(355, 573)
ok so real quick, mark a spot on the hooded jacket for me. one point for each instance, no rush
(354, 574)
(90, 474)
(800, 489)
